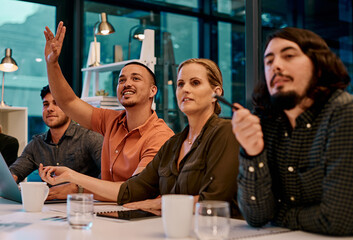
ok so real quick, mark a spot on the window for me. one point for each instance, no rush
(21, 26)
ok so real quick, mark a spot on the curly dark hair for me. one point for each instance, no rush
(329, 72)
(45, 90)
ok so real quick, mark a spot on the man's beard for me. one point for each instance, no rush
(58, 124)
(285, 100)
(128, 104)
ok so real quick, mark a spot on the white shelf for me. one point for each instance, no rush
(109, 67)
(14, 123)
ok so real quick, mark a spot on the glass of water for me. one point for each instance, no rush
(212, 220)
(80, 210)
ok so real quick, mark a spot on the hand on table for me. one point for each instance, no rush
(150, 205)
(61, 191)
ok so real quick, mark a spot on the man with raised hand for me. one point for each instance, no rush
(131, 137)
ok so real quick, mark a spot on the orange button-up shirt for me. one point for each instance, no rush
(124, 151)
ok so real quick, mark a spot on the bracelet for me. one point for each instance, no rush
(80, 189)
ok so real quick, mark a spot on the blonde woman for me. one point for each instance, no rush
(200, 161)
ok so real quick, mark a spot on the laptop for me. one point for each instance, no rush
(9, 188)
(8, 185)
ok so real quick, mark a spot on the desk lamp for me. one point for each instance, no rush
(104, 28)
(137, 34)
(8, 64)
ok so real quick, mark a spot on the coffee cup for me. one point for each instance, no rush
(33, 195)
(177, 211)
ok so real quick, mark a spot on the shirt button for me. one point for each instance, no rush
(286, 134)
(116, 151)
(253, 198)
(251, 169)
(290, 169)
(308, 125)
(292, 198)
(57, 146)
(261, 165)
(57, 164)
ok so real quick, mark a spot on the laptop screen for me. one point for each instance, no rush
(8, 186)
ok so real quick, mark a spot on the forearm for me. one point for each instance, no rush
(65, 97)
(59, 88)
(255, 197)
(103, 190)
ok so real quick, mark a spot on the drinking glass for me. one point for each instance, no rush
(212, 220)
(80, 210)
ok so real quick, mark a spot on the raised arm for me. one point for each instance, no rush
(65, 97)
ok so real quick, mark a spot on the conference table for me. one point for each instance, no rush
(51, 224)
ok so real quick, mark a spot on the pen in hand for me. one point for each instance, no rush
(34, 162)
(222, 99)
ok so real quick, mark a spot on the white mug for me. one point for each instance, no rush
(177, 210)
(33, 195)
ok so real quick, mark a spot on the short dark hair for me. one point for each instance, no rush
(329, 72)
(45, 90)
(147, 68)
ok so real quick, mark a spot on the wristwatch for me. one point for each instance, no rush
(80, 189)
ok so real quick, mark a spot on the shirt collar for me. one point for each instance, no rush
(70, 131)
(311, 113)
(185, 132)
(142, 128)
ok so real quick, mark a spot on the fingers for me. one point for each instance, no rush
(238, 106)
(46, 173)
(60, 33)
(248, 131)
(59, 29)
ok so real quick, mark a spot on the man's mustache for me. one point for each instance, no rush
(281, 75)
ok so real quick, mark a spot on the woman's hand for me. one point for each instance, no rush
(55, 175)
(149, 205)
(247, 129)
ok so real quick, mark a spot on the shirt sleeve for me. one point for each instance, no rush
(94, 147)
(98, 120)
(334, 213)
(24, 165)
(255, 197)
(142, 186)
(152, 146)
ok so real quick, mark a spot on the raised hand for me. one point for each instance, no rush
(54, 43)
(248, 131)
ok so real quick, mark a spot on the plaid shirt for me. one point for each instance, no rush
(304, 177)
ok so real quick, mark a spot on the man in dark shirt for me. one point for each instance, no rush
(8, 147)
(296, 161)
(64, 144)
